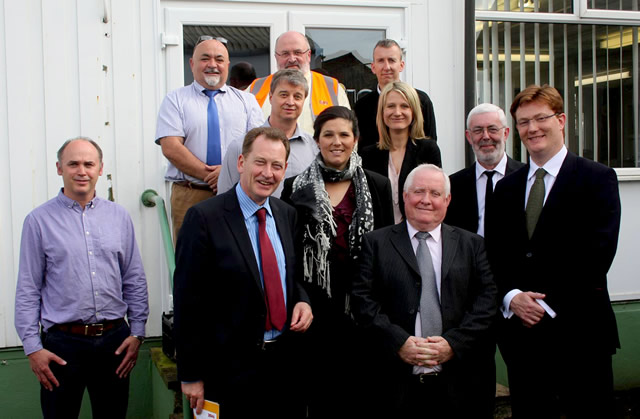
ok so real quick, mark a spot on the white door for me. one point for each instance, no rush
(342, 36)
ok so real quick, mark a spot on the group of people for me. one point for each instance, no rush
(326, 266)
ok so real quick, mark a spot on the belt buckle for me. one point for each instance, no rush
(99, 332)
(424, 376)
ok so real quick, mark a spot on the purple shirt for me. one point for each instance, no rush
(78, 266)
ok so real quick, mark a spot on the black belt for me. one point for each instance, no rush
(426, 378)
(270, 345)
(92, 329)
(191, 185)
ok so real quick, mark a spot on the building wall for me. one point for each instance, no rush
(67, 73)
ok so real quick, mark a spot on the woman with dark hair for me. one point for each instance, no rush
(337, 203)
(402, 145)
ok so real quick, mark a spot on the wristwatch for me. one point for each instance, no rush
(140, 338)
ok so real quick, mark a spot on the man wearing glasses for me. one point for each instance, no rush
(472, 188)
(196, 124)
(294, 52)
(550, 247)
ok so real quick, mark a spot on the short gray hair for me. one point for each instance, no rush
(408, 183)
(69, 141)
(487, 108)
(291, 76)
(387, 43)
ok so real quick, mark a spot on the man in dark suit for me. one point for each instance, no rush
(487, 133)
(428, 304)
(387, 65)
(550, 249)
(236, 297)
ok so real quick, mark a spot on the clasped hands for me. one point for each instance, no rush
(426, 352)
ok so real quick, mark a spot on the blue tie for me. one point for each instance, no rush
(214, 156)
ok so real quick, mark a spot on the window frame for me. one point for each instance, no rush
(582, 15)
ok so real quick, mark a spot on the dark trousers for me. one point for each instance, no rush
(547, 380)
(91, 364)
(261, 384)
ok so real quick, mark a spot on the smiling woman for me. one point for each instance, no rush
(402, 144)
(339, 202)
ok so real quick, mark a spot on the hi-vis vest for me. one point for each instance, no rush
(324, 91)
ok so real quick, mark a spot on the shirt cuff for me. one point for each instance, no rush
(137, 328)
(31, 344)
(506, 303)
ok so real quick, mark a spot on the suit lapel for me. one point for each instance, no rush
(402, 243)
(449, 248)
(235, 220)
(558, 191)
(473, 194)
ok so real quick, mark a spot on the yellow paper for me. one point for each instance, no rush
(210, 410)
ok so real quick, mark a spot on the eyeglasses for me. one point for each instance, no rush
(287, 54)
(523, 123)
(203, 38)
(491, 129)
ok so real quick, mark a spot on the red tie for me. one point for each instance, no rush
(276, 311)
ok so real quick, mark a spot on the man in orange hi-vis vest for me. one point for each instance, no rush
(293, 51)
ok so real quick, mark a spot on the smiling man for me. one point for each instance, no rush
(551, 242)
(80, 275)
(426, 297)
(387, 65)
(287, 94)
(471, 188)
(197, 123)
(237, 297)
(294, 52)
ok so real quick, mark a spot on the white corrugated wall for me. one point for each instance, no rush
(65, 72)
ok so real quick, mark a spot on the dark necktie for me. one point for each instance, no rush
(276, 311)
(536, 199)
(430, 315)
(488, 193)
(214, 154)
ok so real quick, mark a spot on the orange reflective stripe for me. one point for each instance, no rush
(260, 88)
(324, 92)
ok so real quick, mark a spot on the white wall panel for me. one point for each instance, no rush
(7, 281)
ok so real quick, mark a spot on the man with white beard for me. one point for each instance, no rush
(472, 188)
(196, 124)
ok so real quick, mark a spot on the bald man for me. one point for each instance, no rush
(294, 52)
(196, 124)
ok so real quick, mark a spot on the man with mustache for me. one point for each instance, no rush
(471, 188)
(196, 124)
(387, 65)
(287, 94)
(294, 52)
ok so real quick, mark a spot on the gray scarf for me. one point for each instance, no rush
(308, 190)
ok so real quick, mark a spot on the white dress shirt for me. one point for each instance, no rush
(481, 187)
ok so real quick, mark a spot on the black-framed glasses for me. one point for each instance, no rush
(491, 129)
(203, 38)
(298, 53)
(522, 123)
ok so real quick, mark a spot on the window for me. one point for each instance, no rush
(594, 66)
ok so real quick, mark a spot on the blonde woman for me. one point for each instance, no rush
(402, 144)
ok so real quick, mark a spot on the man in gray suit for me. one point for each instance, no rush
(427, 298)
